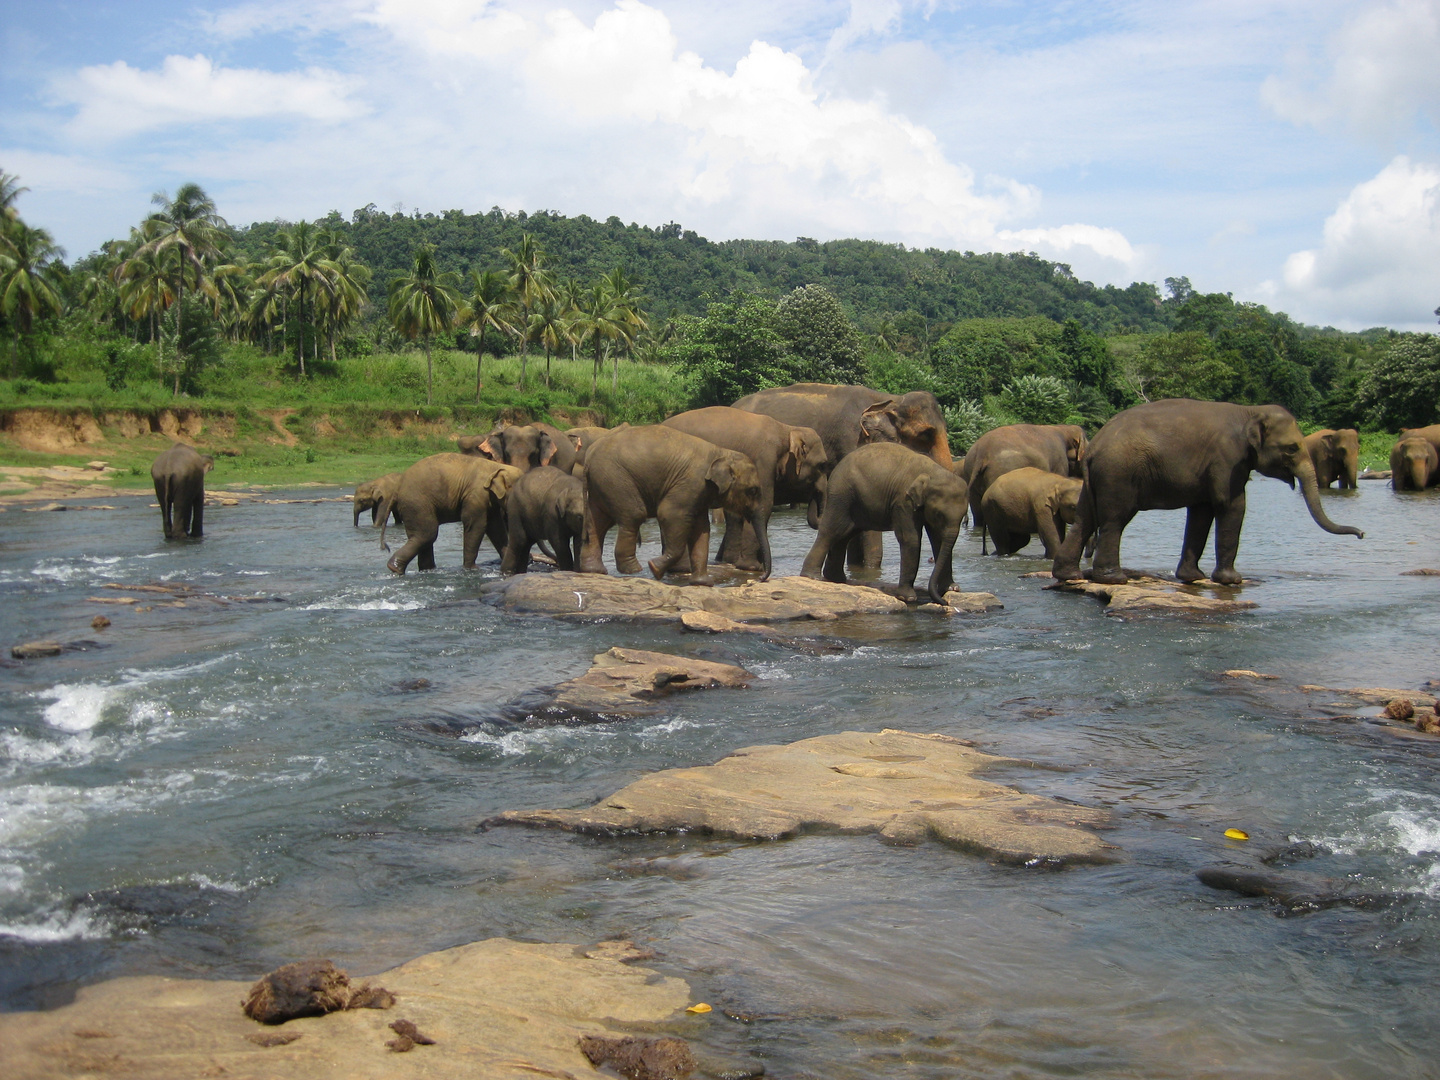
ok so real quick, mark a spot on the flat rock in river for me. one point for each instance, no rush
(1144, 595)
(496, 1008)
(597, 596)
(898, 784)
(627, 680)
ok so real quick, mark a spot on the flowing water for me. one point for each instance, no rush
(216, 789)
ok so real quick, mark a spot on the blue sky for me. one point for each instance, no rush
(1283, 151)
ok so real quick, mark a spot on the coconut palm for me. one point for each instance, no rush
(628, 298)
(531, 284)
(490, 306)
(191, 227)
(299, 266)
(10, 190)
(424, 303)
(550, 325)
(30, 279)
(348, 298)
(601, 321)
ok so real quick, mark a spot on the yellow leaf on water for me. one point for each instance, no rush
(1237, 834)
(699, 1007)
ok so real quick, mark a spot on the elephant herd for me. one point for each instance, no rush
(864, 463)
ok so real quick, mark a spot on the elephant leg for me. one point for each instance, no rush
(1052, 532)
(473, 532)
(699, 544)
(197, 517)
(677, 530)
(418, 541)
(865, 550)
(907, 533)
(732, 544)
(1227, 540)
(942, 544)
(1111, 527)
(1006, 542)
(565, 548)
(1198, 520)
(427, 557)
(597, 524)
(627, 539)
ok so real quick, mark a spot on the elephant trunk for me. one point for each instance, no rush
(943, 576)
(357, 514)
(816, 505)
(762, 537)
(1310, 490)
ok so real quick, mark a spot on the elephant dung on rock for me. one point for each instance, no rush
(444, 488)
(1028, 501)
(884, 487)
(656, 471)
(1165, 455)
(179, 475)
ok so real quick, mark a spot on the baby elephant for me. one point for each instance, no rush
(179, 475)
(371, 495)
(449, 487)
(889, 487)
(545, 504)
(1027, 501)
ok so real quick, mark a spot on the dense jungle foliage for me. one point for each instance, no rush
(632, 322)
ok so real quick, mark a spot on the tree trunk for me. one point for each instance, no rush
(179, 328)
(429, 374)
(615, 376)
(479, 362)
(300, 343)
(547, 367)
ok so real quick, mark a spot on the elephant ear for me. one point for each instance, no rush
(871, 418)
(502, 480)
(914, 497)
(206, 463)
(492, 446)
(721, 473)
(547, 448)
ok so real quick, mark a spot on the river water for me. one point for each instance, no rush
(221, 788)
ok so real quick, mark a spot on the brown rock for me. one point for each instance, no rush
(1148, 595)
(973, 603)
(627, 680)
(307, 988)
(668, 1058)
(1400, 709)
(99, 622)
(1375, 695)
(898, 784)
(1423, 572)
(1428, 721)
(706, 622)
(32, 650)
(1246, 673)
(626, 952)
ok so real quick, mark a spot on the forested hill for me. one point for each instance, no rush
(679, 270)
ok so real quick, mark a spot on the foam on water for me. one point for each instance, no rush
(78, 706)
(79, 925)
(1406, 830)
(338, 604)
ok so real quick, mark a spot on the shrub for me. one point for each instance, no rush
(1038, 399)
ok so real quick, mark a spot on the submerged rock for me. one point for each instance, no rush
(899, 784)
(1294, 893)
(627, 680)
(495, 1008)
(1145, 595)
(33, 650)
(601, 596)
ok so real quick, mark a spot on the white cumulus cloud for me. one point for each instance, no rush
(1379, 259)
(116, 100)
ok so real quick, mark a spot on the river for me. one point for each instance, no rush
(219, 788)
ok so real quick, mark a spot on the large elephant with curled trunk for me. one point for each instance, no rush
(524, 446)
(545, 504)
(1414, 463)
(179, 475)
(372, 494)
(1053, 448)
(1030, 501)
(1165, 455)
(656, 471)
(1335, 455)
(847, 417)
(885, 487)
(444, 488)
(791, 462)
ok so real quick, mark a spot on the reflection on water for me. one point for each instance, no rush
(226, 787)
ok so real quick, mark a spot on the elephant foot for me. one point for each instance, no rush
(1188, 574)
(705, 581)
(656, 568)
(631, 567)
(1070, 572)
(906, 593)
(1106, 577)
(390, 565)
(1227, 577)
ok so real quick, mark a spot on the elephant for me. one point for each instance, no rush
(1055, 448)
(1028, 501)
(179, 475)
(1163, 455)
(1430, 434)
(524, 446)
(1414, 463)
(886, 486)
(791, 462)
(545, 504)
(443, 488)
(1335, 455)
(372, 494)
(850, 416)
(676, 478)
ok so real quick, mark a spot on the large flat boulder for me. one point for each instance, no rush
(1145, 595)
(898, 784)
(606, 596)
(496, 1008)
(631, 680)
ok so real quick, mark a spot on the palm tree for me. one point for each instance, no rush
(10, 190)
(628, 298)
(489, 306)
(299, 266)
(348, 297)
(30, 278)
(550, 325)
(601, 321)
(146, 289)
(424, 303)
(530, 284)
(190, 226)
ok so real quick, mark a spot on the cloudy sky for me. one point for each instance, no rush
(1287, 151)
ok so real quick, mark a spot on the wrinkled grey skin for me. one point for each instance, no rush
(1335, 455)
(525, 446)
(1197, 454)
(1414, 464)
(179, 475)
(1030, 501)
(888, 487)
(582, 438)
(791, 462)
(371, 495)
(545, 504)
(1055, 448)
(850, 416)
(656, 471)
(449, 487)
